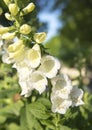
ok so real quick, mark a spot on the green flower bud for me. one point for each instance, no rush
(3, 30)
(29, 8)
(25, 29)
(8, 36)
(40, 37)
(13, 8)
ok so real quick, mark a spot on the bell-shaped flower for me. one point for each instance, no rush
(49, 66)
(61, 86)
(40, 37)
(16, 51)
(33, 56)
(76, 96)
(26, 90)
(6, 59)
(60, 105)
(37, 81)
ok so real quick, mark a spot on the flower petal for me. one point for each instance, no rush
(38, 81)
(49, 66)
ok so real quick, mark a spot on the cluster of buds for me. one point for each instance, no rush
(36, 70)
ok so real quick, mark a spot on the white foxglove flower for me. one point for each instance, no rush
(76, 96)
(17, 51)
(49, 66)
(6, 59)
(61, 86)
(38, 81)
(23, 70)
(34, 56)
(60, 105)
(26, 90)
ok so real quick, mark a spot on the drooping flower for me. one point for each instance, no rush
(40, 37)
(49, 66)
(60, 105)
(76, 96)
(33, 56)
(16, 51)
(37, 81)
(26, 90)
(61, 86)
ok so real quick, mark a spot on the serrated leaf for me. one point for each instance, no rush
(39, 110)
(28, 121)
(48, 124)
(45, 102)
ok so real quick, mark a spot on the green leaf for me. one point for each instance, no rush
(45, 102)
(39, 110)
(62, 127)
(13, 126)
(28, 121)
(48, 124)
(2, 119)
(13, 108)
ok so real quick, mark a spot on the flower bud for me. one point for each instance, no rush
(40, 37)
(3, 30)
(13, 8)
(16, 50)
(29, 8)
(8, 16)
(25, 29)
(8, 36)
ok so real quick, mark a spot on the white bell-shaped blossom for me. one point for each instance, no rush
(49, 66)
(61, 86)
(6, 59)
(38, 81)
(76, 96)
(34, 56)
(26, 90)
(60, 105)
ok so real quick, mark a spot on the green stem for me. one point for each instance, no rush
(57, 121)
